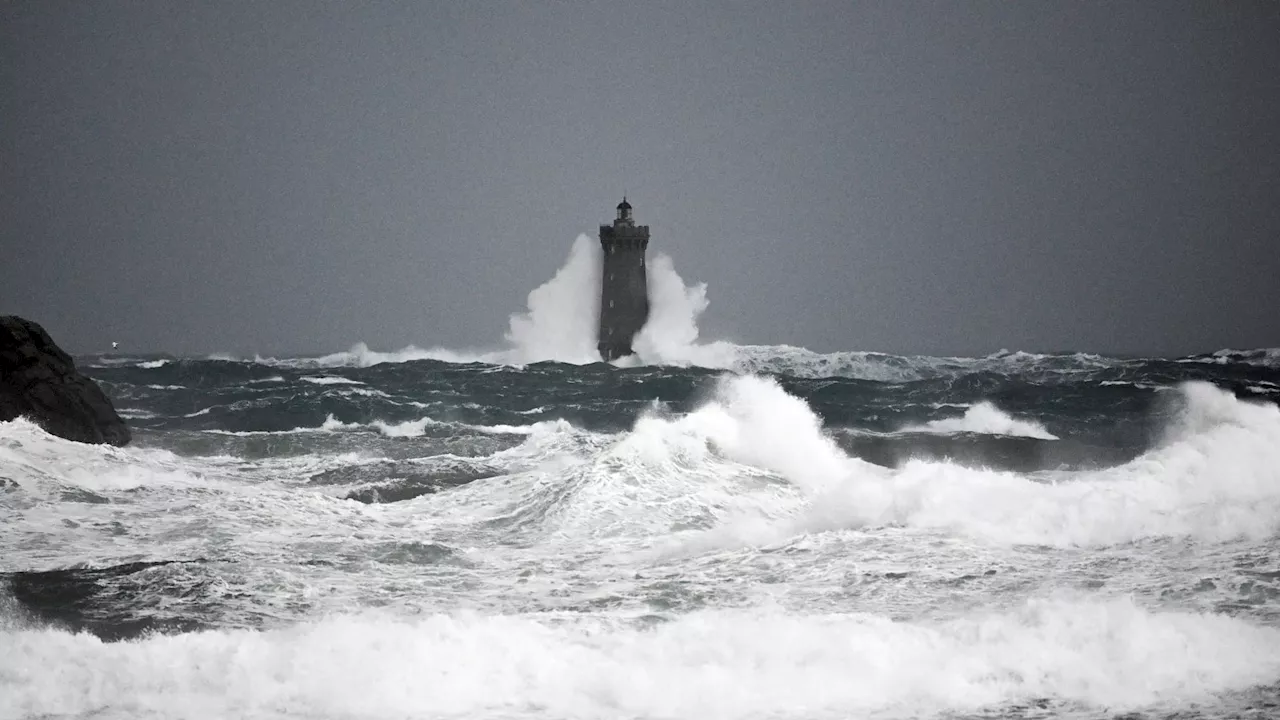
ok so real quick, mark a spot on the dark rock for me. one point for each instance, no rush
(39, 381)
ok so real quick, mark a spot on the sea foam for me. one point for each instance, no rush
(755, 662)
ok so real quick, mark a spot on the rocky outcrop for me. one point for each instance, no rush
(40, 382)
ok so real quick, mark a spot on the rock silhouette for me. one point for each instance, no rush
(39, 381)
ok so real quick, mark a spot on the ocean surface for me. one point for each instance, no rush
(703, 531)
(794, 535)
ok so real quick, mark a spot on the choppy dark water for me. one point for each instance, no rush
(854, 535)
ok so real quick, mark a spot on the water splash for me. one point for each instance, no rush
(562, 318)
(560, 323)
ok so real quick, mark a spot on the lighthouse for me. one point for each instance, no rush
(624, 290)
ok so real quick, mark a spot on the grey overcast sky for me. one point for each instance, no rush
(949, 178)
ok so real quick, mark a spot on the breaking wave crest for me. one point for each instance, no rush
(38, 462)
(404, 429)
(1217, 477)
(561, 320)
(986, 418)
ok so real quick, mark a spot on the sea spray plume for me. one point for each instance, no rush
(670, 337)
(562, 320)
(560, 323)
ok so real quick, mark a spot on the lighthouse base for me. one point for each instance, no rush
(612, 351)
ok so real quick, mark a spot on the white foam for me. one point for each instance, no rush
(358, 356)
(1263, 357)
(370, 392)
(670, 336)
(406, 428)
(988, 419)
(747, 663)
(40, 462)
(106, 362)
(1139, 385)
(330, 424)
(272, 379)
(329, 380)
(418, 428)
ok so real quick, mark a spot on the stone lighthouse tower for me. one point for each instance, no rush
(624, 292)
